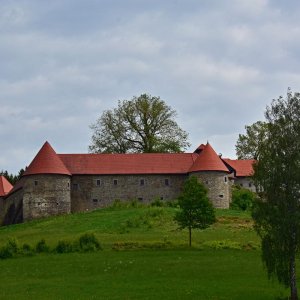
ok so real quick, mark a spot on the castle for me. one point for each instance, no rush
(63, 183)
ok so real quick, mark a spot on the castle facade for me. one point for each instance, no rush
(56, 184)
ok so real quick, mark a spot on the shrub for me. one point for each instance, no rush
(242, 199)
(64, 247)
(88, 243)
(41, 246)
(27, 250)
(157, 202)
(11, 249)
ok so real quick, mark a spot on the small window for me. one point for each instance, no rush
(250, 184)
(142, 182)
(39, 203)
(140, 199)
(95, 200)
(98, 182)
(241, 184)
(225, 179)
(167, 182)
(221, 196)
(68, 184)
(57, 203)
(161, 198)
(75, 186)
(115, 181)
(206, 181)
(36, 182)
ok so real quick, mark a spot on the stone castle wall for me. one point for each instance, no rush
(246, 183)
(46, 195)
(94, 191)
(218, 185)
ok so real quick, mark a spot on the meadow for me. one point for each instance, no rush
(143, 256)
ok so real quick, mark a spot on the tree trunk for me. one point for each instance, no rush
(190, 236)
(293, 285)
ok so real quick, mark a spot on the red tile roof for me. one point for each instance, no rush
(242, 167)
(5, 186)
(137, 163)
(47, 162)
(208, 160)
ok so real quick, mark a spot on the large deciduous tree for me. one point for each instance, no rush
(196, 211)
(277, 174)
(247, 145)
(142, 124)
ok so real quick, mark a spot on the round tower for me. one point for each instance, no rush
(212, 172)
(46, 186)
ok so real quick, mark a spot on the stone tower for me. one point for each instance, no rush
(46, 188)
(212, 172)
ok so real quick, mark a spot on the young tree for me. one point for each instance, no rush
(196, 211)
(247, 145)
(277, 173)
(142, 124)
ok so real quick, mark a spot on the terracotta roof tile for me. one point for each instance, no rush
(243, 168)
(138, 163)
(208, 160)
(46, 162)
(5, 186)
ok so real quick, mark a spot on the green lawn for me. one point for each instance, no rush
(174, 273)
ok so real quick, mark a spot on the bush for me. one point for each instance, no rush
(64, 247)
(242, 199)
(41, 246)
(89, 243)
(157, 202)
(27, 250)
(11, 249)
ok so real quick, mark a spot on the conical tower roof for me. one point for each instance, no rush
(47, 162)
(5, 186)
(208, 160)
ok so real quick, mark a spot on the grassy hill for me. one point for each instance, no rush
(144, 256)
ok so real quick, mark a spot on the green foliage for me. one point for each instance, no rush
(196, 211)
(41, 246)
(11, 249)
(64, 247)
(242, 199)
(157, 202)
(247, 145)
(89, 243)
(277, 173)
(142, 124)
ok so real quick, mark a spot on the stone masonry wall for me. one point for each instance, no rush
(12, 208)
(46, 195)
(218, 185)
(94, 191)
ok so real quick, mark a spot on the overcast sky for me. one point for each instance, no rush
(63, 62)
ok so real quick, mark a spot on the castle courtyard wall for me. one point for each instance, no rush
(95, 191)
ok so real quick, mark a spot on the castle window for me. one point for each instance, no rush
(250, 184)
(142, 182)
(225, 179)
(36, 182)
(98, 182)
(206, 181)
(57, 203)
(221, 196)
(115, 181)
(241, 184)
(95, 200)
(68, 184)
(161, 198)
(167, 182)
(75, 186)
(140, 199)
